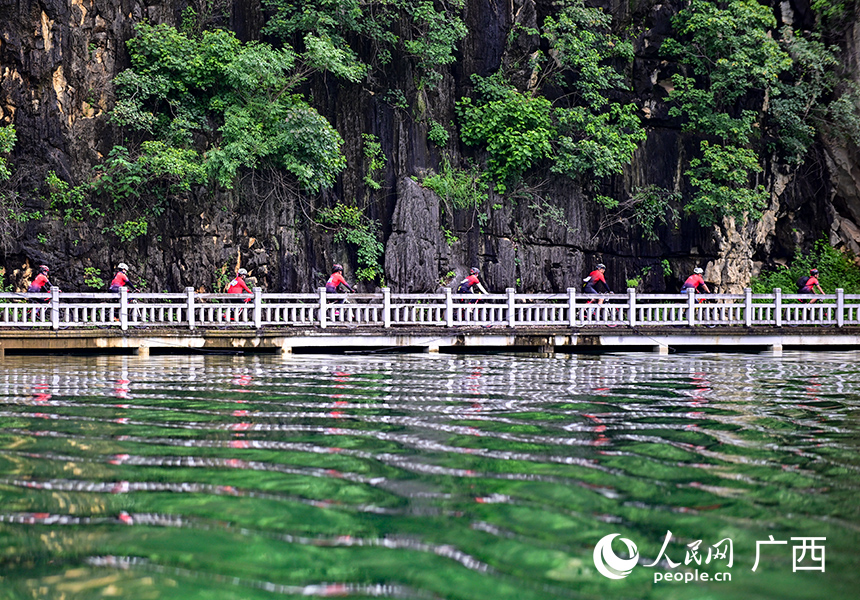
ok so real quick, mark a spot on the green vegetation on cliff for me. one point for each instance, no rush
(732, 54)
(232, 101)
(836, 270)
(351, 38)
(583, 133)
(352, 227)
(7, 142)
(8, 210)
(752, 94)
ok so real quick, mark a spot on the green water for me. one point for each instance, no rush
(423, 476)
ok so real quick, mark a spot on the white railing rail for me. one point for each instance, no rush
(192, 310)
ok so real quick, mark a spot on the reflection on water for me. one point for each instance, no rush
(424, 476)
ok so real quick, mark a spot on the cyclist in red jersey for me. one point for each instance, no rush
(811, 285)
(595, 279)
(336, 280)
(695, 281)
(471, 281)
(121, 279)
(40, 284)
(237, 285)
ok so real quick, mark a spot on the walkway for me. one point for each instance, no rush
(541, 322)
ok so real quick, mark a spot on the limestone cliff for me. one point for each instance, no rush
(57, 62)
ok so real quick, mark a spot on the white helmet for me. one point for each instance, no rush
(698, 271)
(122, 267)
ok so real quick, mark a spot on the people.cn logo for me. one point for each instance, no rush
(608, 563)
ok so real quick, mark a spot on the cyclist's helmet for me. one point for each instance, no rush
(43, 269)
(698, 270)
(122, 267)
(474, 271)
(601, 266)
(813, 271)
(242, 272)
(337, 268)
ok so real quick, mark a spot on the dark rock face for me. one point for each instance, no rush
(412, 255)
(57, 63)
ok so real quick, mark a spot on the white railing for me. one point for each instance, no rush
(190, 310)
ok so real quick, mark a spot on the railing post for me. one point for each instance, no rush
(123, 308)
(748, 307)
(512, 307)
(449, 308)
(55, 308)
(386, 307)
(631, 300)
(322, 308)
(571, 306)
(258, 308)
(189, 292)
(840, 307)
(777, 302)
(691, 306)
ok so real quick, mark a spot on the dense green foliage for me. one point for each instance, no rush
(233, 96)
(836, 270)
(796, 108)
(71, 202)
(754, 93)
(597, 135)
(438, 135)
(352, 227)
(10, 213)
(733, 53)
(376, 159)
(334, 32)
(158, 170)
(458, 188)
(7, 142)
(585, 132)
(516, 128)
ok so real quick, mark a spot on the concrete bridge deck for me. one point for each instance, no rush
(589, 339)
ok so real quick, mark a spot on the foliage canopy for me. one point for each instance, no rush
(836, 270)
(233, 99)
(334, 33)
(583, 132)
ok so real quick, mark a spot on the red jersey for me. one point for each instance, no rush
(812, 281)
(38, 283)
(597, 275)
(119, 280)
(335, 281)
(694, 281)
(237, 286)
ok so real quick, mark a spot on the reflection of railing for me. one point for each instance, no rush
(191, 310)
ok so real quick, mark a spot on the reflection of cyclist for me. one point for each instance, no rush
(594, 280)
(811, 285)
(470, 282)
(120, 280)
(336, 280)
(695, 282)
(40, 284)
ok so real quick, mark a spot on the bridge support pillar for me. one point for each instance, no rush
(776, 349)
(142, 351)
(2, 352)
(434, 348)
(662, 349)
(286, 350)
